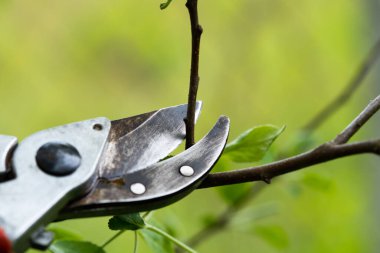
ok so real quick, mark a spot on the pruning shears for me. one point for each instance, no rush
(98, 167)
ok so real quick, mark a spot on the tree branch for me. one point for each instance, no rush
(357, 79)
(358, 122)
(222, 178)
(225, 217)
(196, 32)
(325, 152)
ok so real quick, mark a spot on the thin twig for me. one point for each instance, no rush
(169, 237)
(357, 79)
(196, 32)
(136, 243)
(119, 233)
(358, 122)
(225, 217)
(325, 152)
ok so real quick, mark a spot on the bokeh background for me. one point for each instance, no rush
(262, 61)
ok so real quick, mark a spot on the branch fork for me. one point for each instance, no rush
(328, 151)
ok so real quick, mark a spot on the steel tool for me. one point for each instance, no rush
(98, 167)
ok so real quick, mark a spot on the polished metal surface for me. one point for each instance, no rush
(163, 180)
(157, 134)
(7, 145)
(34, 198)
(120, 165)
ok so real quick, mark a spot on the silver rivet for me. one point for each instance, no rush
(186, 171)
(138, 188)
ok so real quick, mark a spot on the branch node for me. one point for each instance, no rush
(200, 29)
(358, 122)
(266, 179)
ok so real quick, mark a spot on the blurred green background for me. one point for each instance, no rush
(262, 61)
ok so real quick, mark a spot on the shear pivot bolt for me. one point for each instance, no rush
(138, 188)
(186, 171)
(58, 159)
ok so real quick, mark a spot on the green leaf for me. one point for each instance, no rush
(223, 164)
(273, 235)
(131, 221)
(166, 158)
(169, 237)
(165, 5)
(252, 145)
(156, 242)
(63, 234)
(300, 142)
(66, 246)
(249, 147)
(230, 193)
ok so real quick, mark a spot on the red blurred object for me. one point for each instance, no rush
(5, 244)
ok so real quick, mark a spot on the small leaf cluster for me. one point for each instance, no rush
(250, 147)
(157, 239)
(69, 242)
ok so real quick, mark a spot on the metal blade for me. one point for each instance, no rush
(33, 198)
(7, 145)
(162, 183)
(137, 142)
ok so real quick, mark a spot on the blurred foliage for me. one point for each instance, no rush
(252, 145)
(249, 147)
(75, 247)
(262, 62)
(126, 222)
(157, 239)
(274, 235)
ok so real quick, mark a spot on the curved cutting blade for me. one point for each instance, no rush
(162, 182)
(137, 142)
